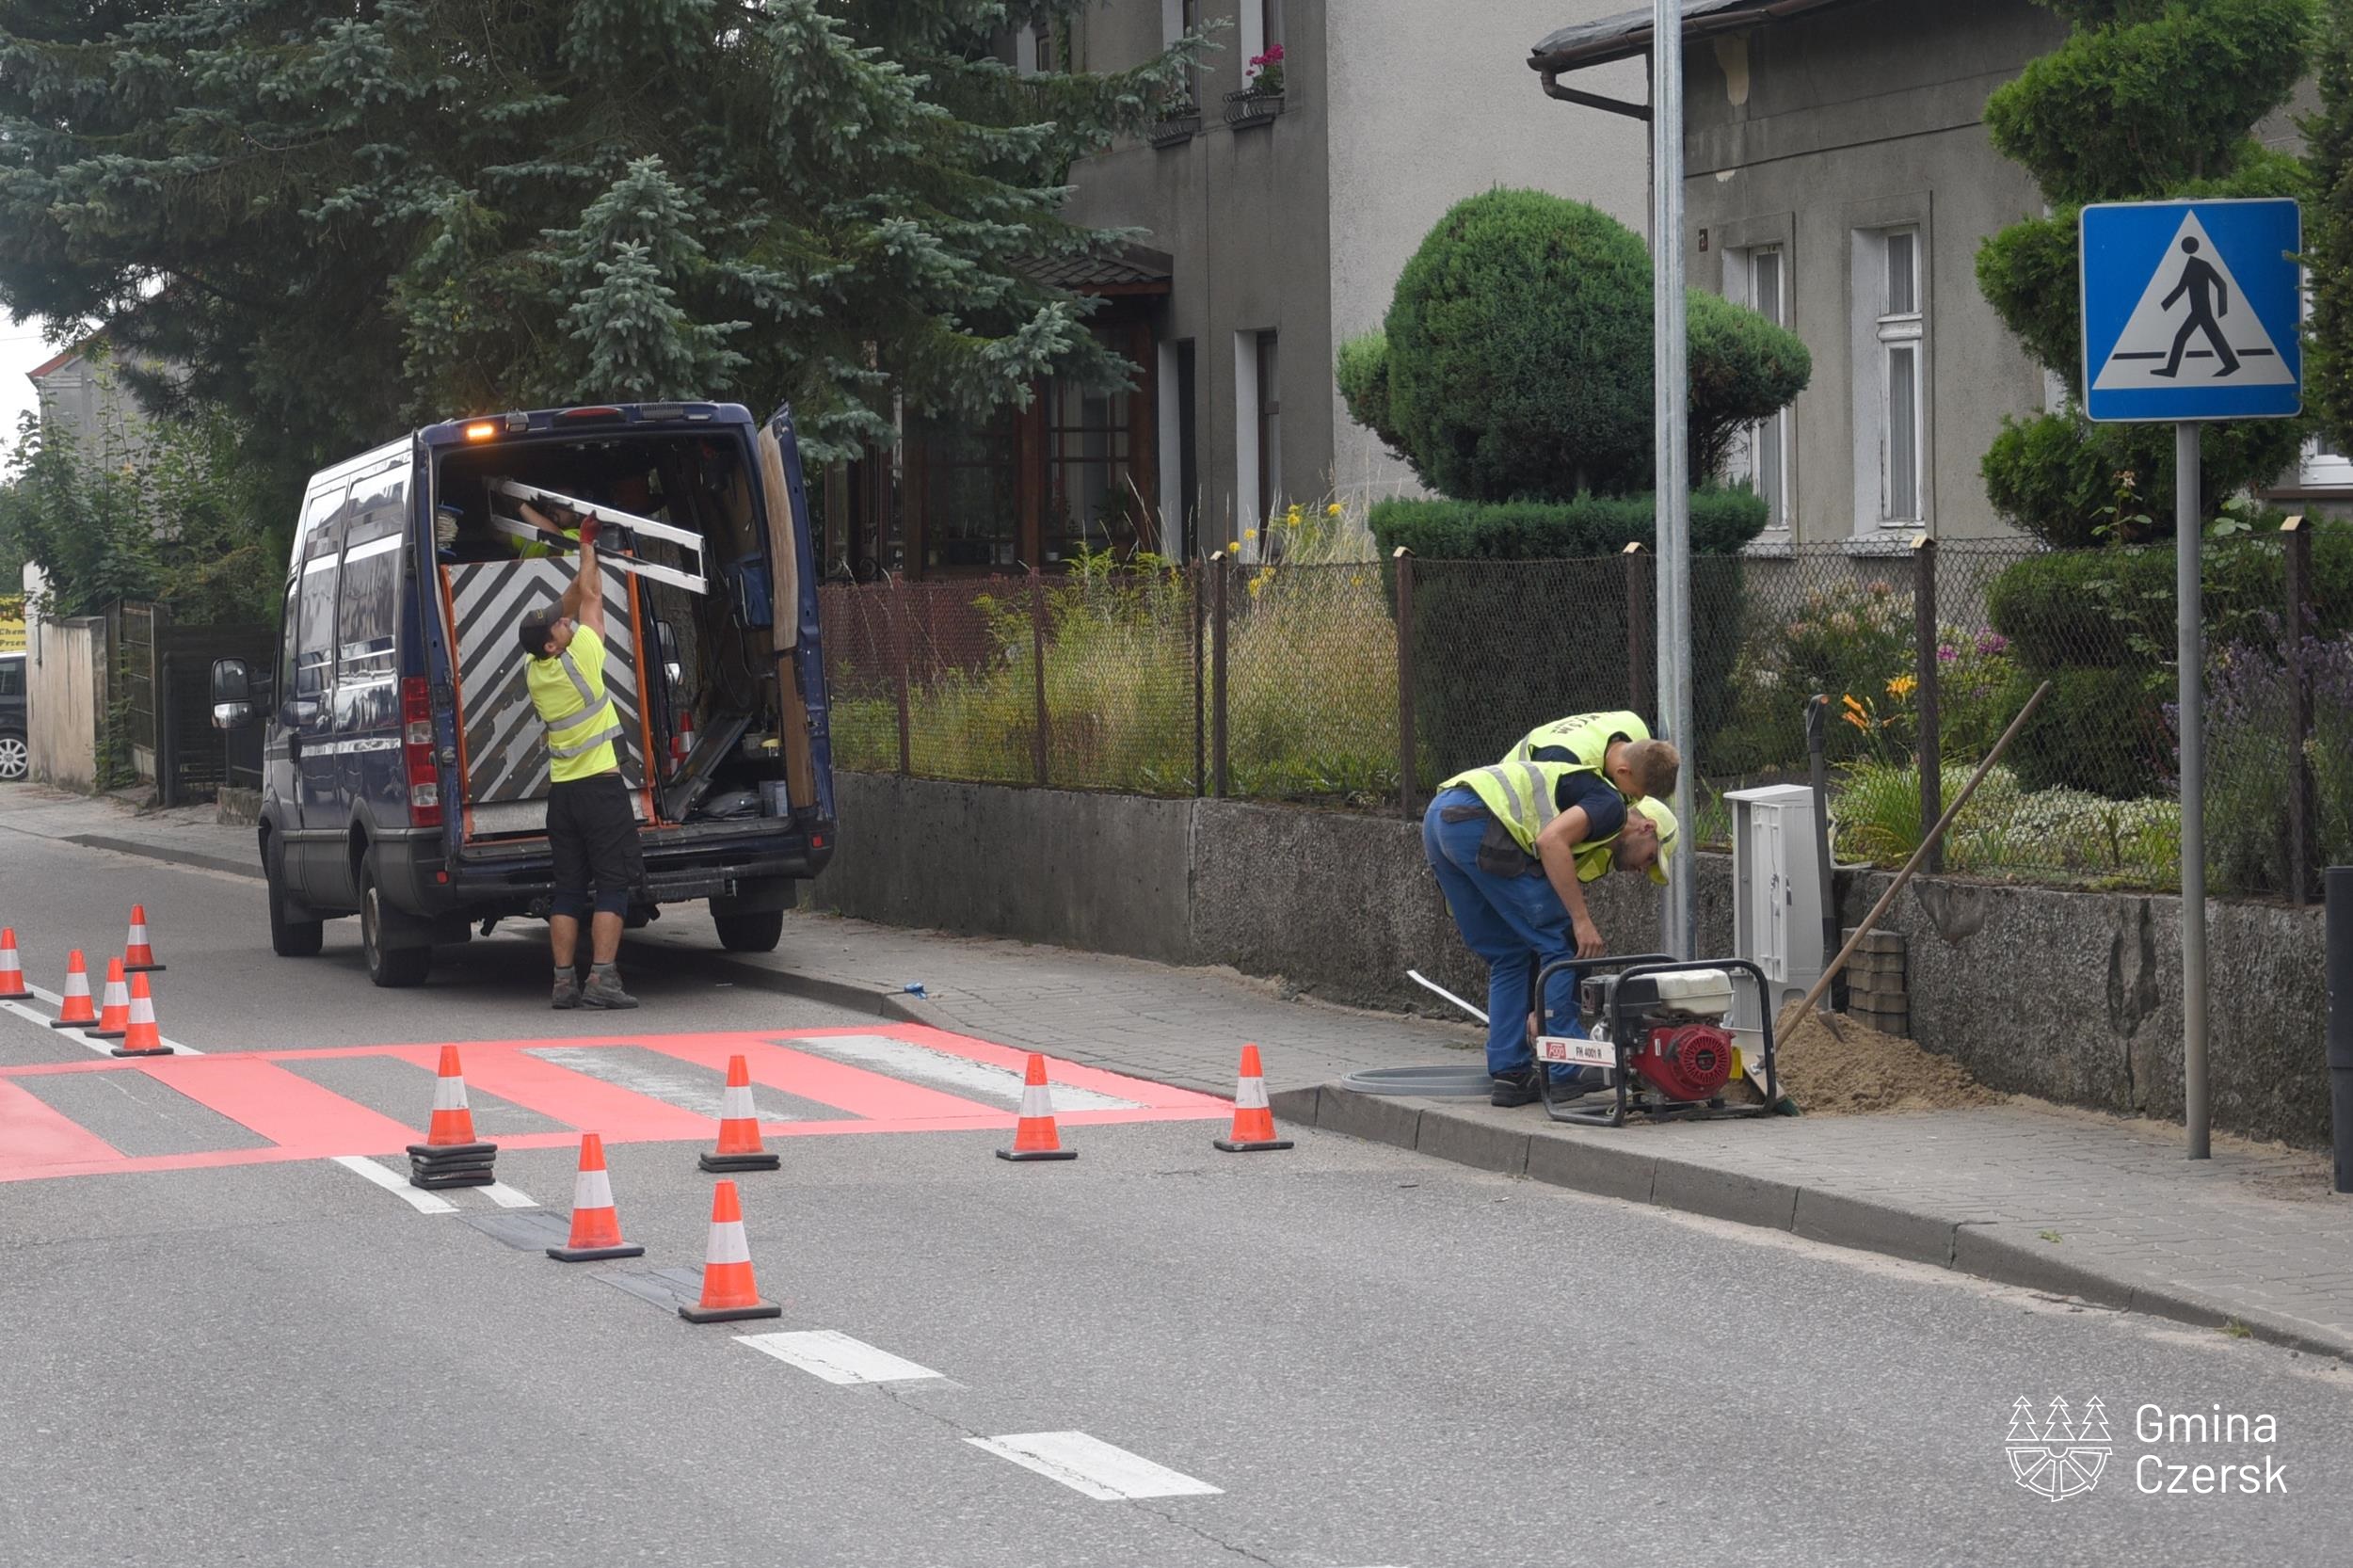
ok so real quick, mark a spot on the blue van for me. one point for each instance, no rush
(404, 773)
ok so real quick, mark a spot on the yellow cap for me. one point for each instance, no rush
(1663, 816)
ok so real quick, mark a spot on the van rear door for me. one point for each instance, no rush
(309, 712)
(798, 669)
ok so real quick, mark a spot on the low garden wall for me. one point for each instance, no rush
(2074, 997)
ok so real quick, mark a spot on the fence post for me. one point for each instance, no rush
(897, 608)
(1222, 567)
(1200, 675)
(1931, 750)
(1408, 776)
(2297, 540)
(1037, 663)
(166, 737)
(1638, 626)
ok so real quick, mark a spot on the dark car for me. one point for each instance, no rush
(13, 757)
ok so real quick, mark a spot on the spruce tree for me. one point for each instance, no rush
(2146, 99)
(343, 219)
(2328, 231)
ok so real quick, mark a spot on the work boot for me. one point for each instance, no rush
(1513, 1089)
(566, 994)
(604, 988)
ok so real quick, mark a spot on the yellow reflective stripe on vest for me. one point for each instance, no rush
(580, 681)
(1521, 796)
(580, 748)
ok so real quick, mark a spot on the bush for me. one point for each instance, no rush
(2101, 732)
(1722, 521)
(1518, 355)
(2057, 477)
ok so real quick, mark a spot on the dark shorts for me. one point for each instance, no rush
(593, 835)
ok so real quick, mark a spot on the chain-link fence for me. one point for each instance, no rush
(1290, 682)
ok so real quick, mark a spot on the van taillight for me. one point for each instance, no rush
(416, 752)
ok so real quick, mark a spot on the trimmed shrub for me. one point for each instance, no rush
(1722, 521)
(1363, 374)
(2055, 475)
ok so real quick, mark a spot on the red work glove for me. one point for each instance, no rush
(588, 526)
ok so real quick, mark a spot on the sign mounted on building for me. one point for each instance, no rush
(2190, 311)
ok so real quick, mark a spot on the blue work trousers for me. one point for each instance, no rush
(1516, 923)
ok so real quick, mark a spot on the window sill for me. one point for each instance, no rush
(1251, 106)
(1895, 538)
(1174, 131)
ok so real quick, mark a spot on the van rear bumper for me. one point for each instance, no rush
(420, 877)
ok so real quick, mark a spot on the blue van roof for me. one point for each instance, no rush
(587, 417)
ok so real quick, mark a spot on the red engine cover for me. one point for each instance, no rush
(1689, 1061)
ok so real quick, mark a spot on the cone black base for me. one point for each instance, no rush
(153, 1051)
(1232, 1147)
(729, 1314)
(452, 1154)
(740, 1161)
(430, 1181)
(106, 1034)
(16, 996)
(142, 968)
(65, 1023)
(594, 1254)
(1026, 1154)
(437, 1165)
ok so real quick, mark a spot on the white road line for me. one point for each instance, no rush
(103, 1047)
(1091, 1466)
(509, 1197)
(678, 1083)
(902, 1060)
(835, 1356)
(423, 1202)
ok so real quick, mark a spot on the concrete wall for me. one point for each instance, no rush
(1869, 116)
(2073, 996)
(65, 681)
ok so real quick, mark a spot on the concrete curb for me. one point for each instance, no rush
(1600, 1165)
(167, 854)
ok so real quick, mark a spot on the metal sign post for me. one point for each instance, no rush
(2191, 313)
(1670, 392)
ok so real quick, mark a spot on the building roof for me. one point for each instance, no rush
(1134, 269)
(1628, 33)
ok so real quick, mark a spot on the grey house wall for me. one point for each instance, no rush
(1869, 117)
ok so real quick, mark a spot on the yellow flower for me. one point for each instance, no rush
(1356, 579)
(1250, 534)
(1852, 706)
(1333, 510)
(1856, 719)
(1904, 685)
(1234, 549)
(1255, 583)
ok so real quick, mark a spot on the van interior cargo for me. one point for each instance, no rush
(693, 673)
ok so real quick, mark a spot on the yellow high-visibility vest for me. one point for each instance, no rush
(568, 692)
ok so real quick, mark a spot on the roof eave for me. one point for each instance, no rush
(1635, 39)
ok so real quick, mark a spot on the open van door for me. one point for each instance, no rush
(783, 498)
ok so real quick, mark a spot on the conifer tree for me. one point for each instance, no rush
(2328, 231)
(2146, 99)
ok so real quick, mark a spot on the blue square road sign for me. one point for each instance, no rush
(2191, 311)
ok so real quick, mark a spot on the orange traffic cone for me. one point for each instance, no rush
(12, 987)
(729, 1292)
(141, 1036)
(1254, 1122)
(738, 1126)
(450, 1154)
(596, 1224)
(1036, 1138)
(136, 954)
(73, 1008)
(114, 1011)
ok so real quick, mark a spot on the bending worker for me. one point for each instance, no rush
(1617, 742)
(1514, 846)
(592, 830)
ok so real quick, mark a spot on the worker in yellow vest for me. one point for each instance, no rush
(592, 828)
(1514, 846)
(1615, 741)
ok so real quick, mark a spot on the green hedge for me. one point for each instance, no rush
(1722, 521)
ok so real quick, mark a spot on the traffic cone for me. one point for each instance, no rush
(73, 1008)
(1253, 1121)
(596, 1224)
(738, 1126)
(12, 987)
(113, 1013)
(450, 1154)
(141, 1036)
(729, 1293)
(1036, 1138)
(136, 954)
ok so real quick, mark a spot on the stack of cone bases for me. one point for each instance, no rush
(73, 1009)
(12, 987)
(140, 1037)
(596, 1224)
(114, 1009)
(738, 1126)
(136, 954)
(450, 1154)
(1036, 1138)
(729, 1292)
(1253, 1121)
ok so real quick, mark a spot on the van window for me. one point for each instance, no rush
(370, 610)
(314, 593)
(11, 678)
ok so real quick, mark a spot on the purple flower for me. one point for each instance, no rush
(1948, 654)
(1991, 643)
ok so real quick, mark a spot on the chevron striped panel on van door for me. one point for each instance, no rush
(507, 750)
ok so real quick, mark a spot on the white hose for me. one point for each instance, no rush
(1427, 983)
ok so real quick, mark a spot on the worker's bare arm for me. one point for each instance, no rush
(1555, 849)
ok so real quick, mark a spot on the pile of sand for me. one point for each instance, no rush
(1833, 1066)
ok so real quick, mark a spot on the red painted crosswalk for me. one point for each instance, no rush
(300, 1119)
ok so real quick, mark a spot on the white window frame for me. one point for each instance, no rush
(1248, 510)
(1887, 332)
(1900, 327)
(1743, 269)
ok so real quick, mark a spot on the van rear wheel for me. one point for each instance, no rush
(288, 937)
(756, 932)
(395, 967)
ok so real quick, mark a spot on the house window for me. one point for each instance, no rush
(1768, 440)
(1091, 499)
(1180, 482)
(1270, 426)
(1270, 23)
(966, 496)
(1901, 334)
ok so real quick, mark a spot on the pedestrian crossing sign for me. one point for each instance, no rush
(2191, 311)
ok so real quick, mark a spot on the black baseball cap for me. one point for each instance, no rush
(535, 628)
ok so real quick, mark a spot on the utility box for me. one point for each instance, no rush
(1776, 894)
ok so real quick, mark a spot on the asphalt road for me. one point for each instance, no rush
(1374, 1358)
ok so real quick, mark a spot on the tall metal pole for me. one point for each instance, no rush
(2190, 648)
(1670, 386)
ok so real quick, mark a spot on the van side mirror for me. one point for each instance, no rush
(233, 695)
(667, 641)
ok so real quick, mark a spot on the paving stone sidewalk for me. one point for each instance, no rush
(2041, 1196)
